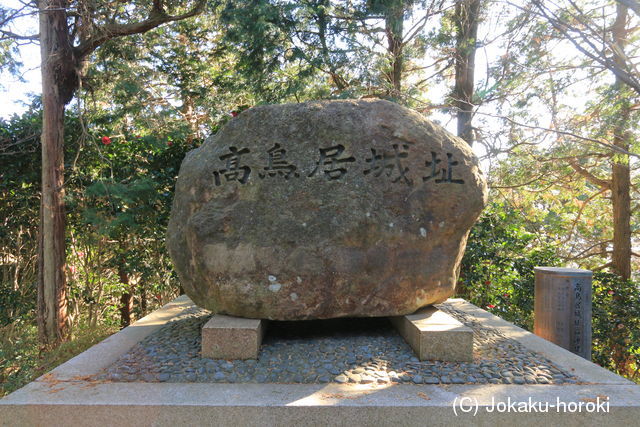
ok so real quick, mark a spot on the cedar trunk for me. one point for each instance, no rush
(466, 19)
(55, 51)
(126, 300)
(394, 28)
(621, 201)
(620, 174)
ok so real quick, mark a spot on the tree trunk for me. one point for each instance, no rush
(190, 115)
(143, 298)
(620, 175)
(55, 50)
(621, 201)
(61, 66)
(620, 192)
(466, 20)
(338, 81)
(126, 300)
(394, 28)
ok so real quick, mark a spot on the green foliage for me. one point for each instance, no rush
(616, 324)
(16, 302)
(19, 206)
(497, 267)
(121, 213)
(116, 192)
(118, 198)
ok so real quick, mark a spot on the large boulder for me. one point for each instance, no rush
(324, 209)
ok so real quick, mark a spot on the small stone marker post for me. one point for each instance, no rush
(563, 308)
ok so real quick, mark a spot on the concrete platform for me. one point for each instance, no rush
(435, 335)
(228, 337)
(67, 396)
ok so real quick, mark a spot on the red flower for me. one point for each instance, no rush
(234, 113)
(505, 295)
(169, 143)
(106, 140)
(611, 292)
(491, 306)
(487, 282)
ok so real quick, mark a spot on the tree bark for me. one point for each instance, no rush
(466, 20)
(621, 201)
(57, 72)
(190, 116)
(340, 83)
(394, 28)
(61, 66)
(126, 300)
(620, 174)
(143, 298)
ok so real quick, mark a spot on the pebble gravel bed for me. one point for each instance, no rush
(362, 351)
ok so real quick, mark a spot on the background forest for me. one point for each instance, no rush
(546, 93)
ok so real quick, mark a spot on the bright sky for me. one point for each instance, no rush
(13, 91)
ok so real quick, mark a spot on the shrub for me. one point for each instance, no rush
(616, 324)
(497, 267)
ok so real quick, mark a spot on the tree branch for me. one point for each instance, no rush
(562, 132)
(14, 36)
(604, 184)
(157, 17)
(524, 184)
(631, 4)
(599, 56)
(602, 267)
(6, 144)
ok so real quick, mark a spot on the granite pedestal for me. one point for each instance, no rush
(69, 396)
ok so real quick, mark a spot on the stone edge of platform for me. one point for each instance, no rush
(106, 352)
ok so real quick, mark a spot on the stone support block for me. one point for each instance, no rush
(227, 337)
(435, 335)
